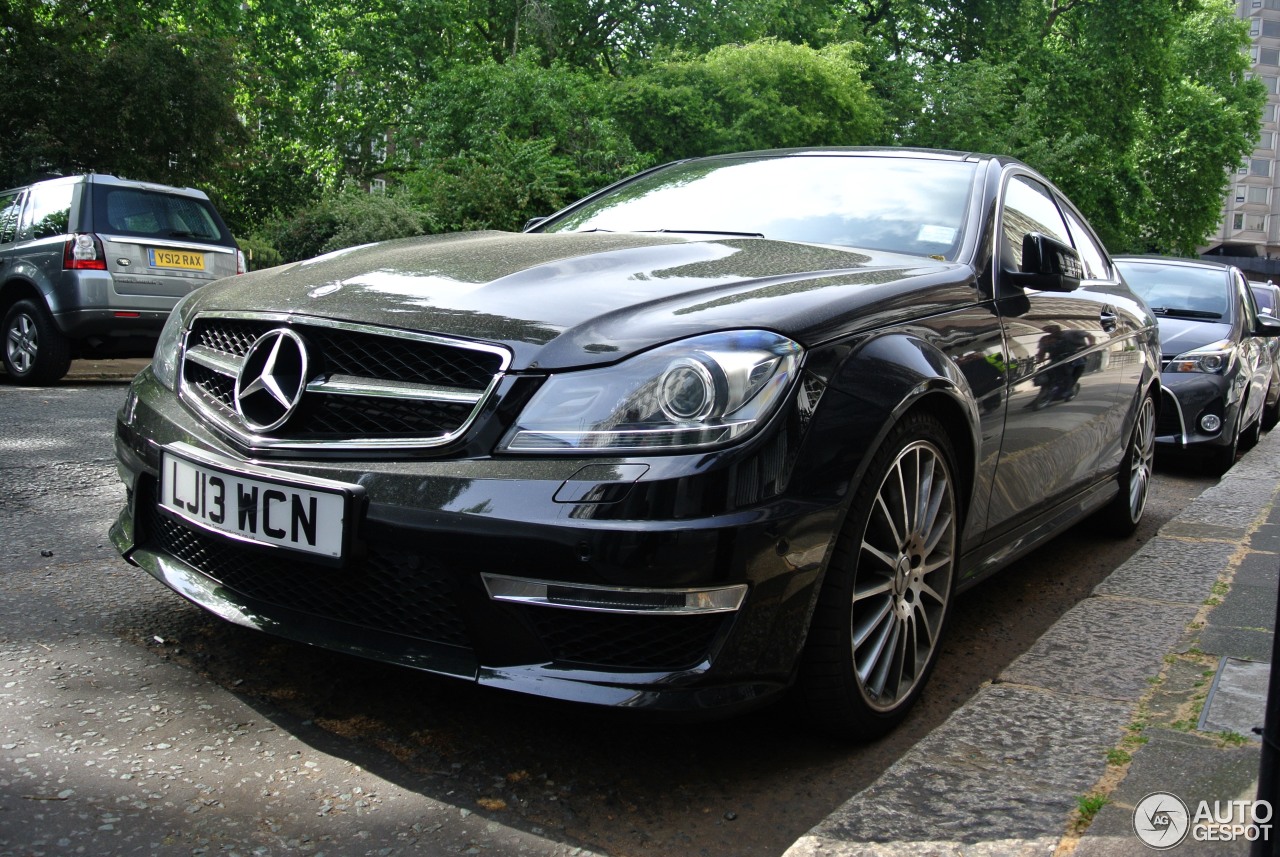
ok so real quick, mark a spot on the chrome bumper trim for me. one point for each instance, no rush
(615, 599)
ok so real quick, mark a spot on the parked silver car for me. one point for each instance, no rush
(91, 266)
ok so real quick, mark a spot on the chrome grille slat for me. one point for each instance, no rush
(371, 388)
(349, 385)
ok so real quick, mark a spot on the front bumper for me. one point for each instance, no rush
(1186, 399)
(534, 575)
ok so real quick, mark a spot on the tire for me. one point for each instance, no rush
(1249, 437)
(1222, 458)
(1271, 416)
(886, 596)
(35, 351)
(1123, 514)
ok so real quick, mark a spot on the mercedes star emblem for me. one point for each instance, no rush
(272, 380)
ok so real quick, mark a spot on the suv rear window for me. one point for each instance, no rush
(147, 214)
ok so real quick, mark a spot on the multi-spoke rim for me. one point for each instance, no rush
(903, 579)
(20, 343)
(1141, 456)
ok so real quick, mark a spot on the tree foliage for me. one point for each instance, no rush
(485, 112)
(342, 219)
(1115, 101)
(761, 95)
(113, 86)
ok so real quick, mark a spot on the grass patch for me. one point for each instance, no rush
(1116, 756)
(1090, 805)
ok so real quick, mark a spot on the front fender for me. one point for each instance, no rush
(873, 382)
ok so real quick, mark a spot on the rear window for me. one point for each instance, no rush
(152, 214)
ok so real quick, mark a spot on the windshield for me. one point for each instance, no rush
(899, 204)
(1180, 290)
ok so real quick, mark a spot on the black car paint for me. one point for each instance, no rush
(951, 337)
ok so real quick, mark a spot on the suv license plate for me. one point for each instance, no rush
(185, 260)
(305, 516)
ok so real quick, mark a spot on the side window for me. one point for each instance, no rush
(1028, 207)
(50, 210)
(1096, 266)
(10, 208)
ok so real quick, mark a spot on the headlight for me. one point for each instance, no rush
(1213, 359)
(164, 364)
(686, 395)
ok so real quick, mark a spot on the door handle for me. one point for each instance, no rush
(1108, 318)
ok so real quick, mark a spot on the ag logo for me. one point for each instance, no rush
(1161, 820)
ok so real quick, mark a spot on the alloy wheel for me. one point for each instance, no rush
(1141, 458)
(21, 343)
(903, 582)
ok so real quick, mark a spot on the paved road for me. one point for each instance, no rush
(134, 723)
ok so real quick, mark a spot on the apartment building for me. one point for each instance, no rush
(1250, 227)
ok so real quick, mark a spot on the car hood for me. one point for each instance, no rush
(1180, 335)
(558, 300)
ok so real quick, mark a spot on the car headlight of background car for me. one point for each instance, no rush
(685, 395)
(165, 362)
(1213, 359)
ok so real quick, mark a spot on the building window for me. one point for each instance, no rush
(1249, 222)
(1255, 28)
(1257, 195)
(1260, 167)
(1269, 113)
(1269, 81)
(378, 186)
(1271, 29)
(1268, 56)
(1267, 140)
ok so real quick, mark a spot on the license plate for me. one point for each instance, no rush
(186, 260)
(250, 505)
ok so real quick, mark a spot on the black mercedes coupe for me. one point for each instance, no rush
(733, 426)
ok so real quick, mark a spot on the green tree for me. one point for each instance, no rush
(1136, 108)
(766, 94)
(1206, 122)
(496, 143)
(113, 86)
(343, 219)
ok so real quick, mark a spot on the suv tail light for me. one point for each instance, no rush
(241, 267)
(83, 252)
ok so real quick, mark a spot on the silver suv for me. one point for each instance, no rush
(91, 265)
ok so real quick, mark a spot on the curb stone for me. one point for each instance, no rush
(1001, 776)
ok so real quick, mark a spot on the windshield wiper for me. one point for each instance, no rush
(1177, 312)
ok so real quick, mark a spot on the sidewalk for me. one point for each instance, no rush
(1153, 684)
(116, 370)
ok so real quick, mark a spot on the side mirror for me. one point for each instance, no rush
(532, 222)
(1048, 265)
(1267, 326)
